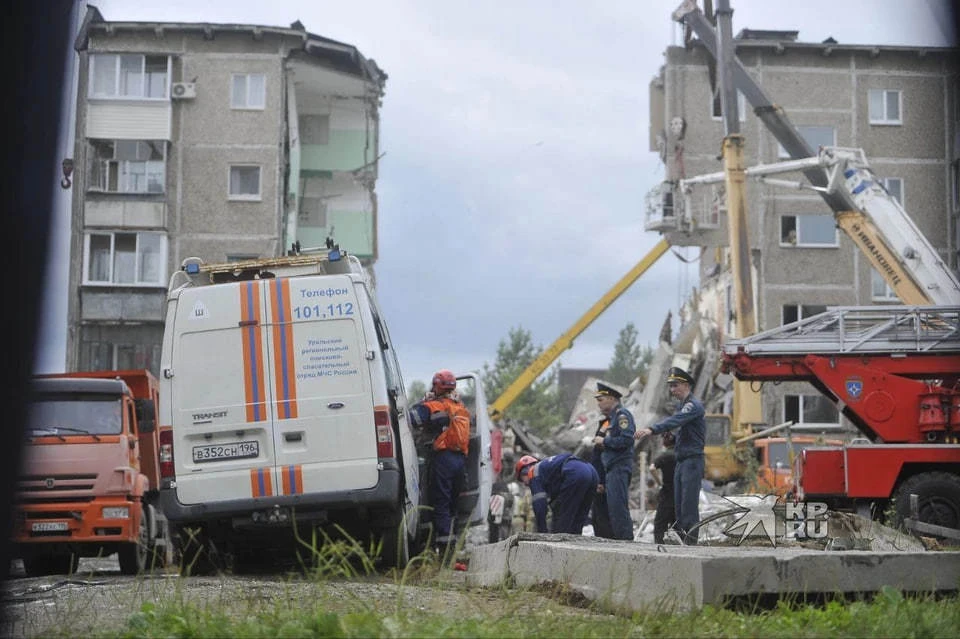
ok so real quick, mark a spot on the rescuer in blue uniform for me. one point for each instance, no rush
(563, 482)
(617, 457)
(600, 513)
(688, 475)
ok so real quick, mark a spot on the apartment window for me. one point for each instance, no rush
(314, 129)
(125, 258)
(955, 174)
(313, 211)
(808, 231)
(717, 111)
(242, 257)
(244, 182)
(885, 106)
(795, 312)
(248, 91)
(127, 166)
(815, 136)
(99, 355)
(880, 291)
(811, 412)
(894, 187)
(129, 75)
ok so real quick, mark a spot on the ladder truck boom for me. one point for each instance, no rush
(894, 372)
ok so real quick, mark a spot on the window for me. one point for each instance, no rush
(125, 258)
(894, 187)
(314, 129)
(129, 75)
(885, 106)
(127, 166)
(244, 182)
(717, 111)
(248, 91)
(880, 291)
(796, 312)
(955, 174)
(808, 231)
(814, 135)
(105, 355)
(813, 412)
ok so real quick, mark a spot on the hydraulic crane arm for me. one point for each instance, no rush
(873, 219)
(565, 341)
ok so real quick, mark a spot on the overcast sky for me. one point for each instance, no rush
(516, 161)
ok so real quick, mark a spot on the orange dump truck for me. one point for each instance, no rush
(90, 473)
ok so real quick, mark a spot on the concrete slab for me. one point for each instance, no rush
(640, 576)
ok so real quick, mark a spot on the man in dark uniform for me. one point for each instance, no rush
(689, 451)
(564, 483)
(663, 468)
(600, 514)
(617, 456)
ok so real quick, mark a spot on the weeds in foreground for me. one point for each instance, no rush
(888, 614)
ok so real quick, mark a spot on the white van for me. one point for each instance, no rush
(281, 402)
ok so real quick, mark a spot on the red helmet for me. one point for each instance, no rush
(523, 464)
(444, 381)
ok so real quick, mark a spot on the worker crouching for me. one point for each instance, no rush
(564, 483)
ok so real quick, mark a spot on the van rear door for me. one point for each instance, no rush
(222, 413)
(325, 439)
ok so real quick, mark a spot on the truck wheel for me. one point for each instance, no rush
(938, 495)
(133, 556)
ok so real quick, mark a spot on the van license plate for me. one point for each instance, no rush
(218, 452)
(49, 526)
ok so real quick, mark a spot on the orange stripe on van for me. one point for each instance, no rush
(251, 338)
(292, 478)
(283, 369)
(261, 484)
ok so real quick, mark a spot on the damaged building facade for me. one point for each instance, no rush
(899, 104)
(219, 141)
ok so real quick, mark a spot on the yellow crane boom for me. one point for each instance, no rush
(565, 341)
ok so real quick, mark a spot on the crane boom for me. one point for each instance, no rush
(565, 341)
(872, 218)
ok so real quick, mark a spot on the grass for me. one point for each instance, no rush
(888, 614)
(430, 600)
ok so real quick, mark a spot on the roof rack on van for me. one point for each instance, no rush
(335, 261)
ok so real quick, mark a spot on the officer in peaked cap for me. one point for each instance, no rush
(603, 389)
(615, 442)
(688, 474)
(677, 374)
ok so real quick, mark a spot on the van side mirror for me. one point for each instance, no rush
(146, 411)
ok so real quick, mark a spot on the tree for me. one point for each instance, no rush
(630, 360)
(539, 404)
(415, 391)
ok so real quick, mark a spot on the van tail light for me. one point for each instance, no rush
(166, 454)
(381, 419)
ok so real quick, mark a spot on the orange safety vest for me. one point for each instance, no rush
(456, 436)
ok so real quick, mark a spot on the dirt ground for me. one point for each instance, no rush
(99, 597)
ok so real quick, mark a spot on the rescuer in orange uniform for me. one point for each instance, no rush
(444, 417)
